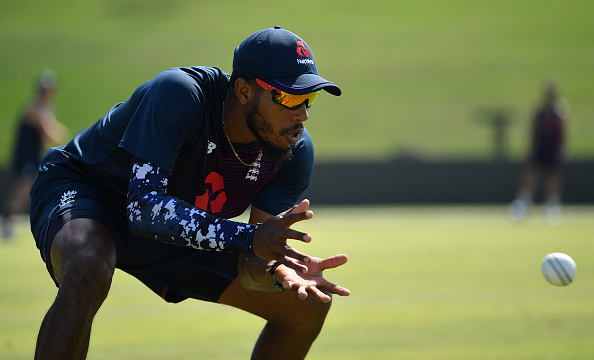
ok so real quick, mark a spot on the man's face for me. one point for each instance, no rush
(275, 126)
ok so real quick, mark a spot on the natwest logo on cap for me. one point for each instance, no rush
(302, 50)
(305, 61)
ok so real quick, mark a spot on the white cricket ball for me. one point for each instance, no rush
(559, 269)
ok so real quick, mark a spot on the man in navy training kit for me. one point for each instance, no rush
(148, 188)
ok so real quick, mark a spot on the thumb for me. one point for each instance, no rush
(301, 207)
(333, 262)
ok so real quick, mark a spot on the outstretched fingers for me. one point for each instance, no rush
(336, 289)
(290, 256)
(333, 262)
(320, 292)
(303, 292)
(270, 239)
(290, 219)
(295, 260)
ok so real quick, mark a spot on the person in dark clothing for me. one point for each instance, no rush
(545, 157)
(37, 128)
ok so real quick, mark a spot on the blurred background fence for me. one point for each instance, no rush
(436, 182)
(428, 182)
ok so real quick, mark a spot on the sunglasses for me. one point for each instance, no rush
(290, 101)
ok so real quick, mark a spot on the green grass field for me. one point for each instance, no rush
(415, 74)
(428, 283)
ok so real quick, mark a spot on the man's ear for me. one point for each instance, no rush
(245, 91)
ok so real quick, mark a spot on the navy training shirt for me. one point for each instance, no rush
(174, 121)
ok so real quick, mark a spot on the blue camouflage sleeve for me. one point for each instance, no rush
(152, 213)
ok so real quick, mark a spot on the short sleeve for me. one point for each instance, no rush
(167, 114)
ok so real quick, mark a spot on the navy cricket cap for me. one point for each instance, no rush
(281, 59)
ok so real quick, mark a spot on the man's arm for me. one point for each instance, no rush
(152, 213)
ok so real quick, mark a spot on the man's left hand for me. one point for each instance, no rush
(313, 282)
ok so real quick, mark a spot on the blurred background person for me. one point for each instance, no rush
(545, 157)
(38, 129)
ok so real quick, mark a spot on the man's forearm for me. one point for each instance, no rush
(152, 213)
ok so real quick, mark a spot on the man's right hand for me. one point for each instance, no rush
(270, 239)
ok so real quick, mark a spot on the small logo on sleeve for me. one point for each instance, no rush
(67, 197)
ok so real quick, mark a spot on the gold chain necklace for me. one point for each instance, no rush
(233, 149)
